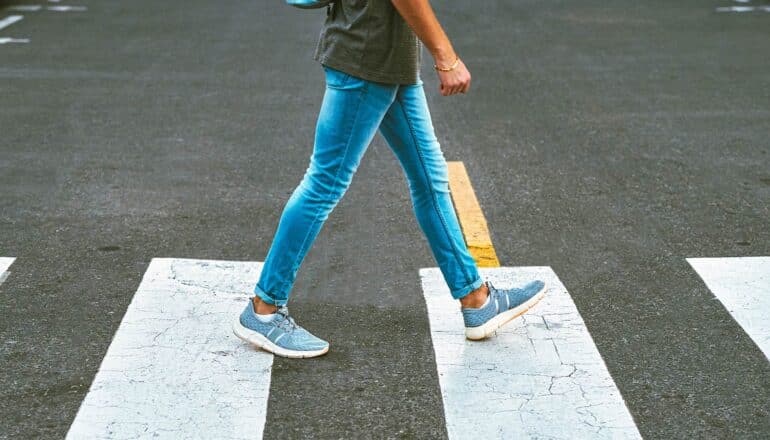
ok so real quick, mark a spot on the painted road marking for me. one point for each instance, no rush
(743, 9)
(9, 20)
(35, 8)
(742, 285)
(174, 368)
(13, 40)
(24, 8)
(5, 263)
(472, 221)
(67, 8)
(540, 376)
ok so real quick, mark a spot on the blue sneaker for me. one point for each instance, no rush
(281, 335)
(502, 306)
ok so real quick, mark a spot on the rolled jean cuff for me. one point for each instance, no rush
(460, 293)
(267, 298)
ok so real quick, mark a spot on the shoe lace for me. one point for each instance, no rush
(286, 322)
(494, 292)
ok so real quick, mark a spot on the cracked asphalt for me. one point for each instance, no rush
(607, 140)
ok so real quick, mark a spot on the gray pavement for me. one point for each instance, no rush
(608, 141)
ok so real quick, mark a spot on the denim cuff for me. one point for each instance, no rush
(462, 292)
(267, 298)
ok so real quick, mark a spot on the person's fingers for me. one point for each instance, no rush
(452, 86)
(462, 87)
(466, 85)
(456, 88)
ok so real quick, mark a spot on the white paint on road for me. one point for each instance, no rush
(13, 40)
(9, 20)
(744, 9)
(67, 8)
(174, 368)
(735, 9)
(5, 263)
(742, 285)
(25, 8)
(58, 8)
(541, 376)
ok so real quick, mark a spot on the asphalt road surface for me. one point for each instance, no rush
(607, 140)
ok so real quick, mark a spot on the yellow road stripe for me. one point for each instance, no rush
(472, 221)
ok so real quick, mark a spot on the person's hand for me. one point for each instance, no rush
(457, 80)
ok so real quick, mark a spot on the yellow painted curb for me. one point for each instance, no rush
(471, 217)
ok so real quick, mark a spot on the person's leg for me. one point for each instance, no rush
(351, 110)
(408, 129)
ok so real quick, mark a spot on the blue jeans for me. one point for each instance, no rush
(352, 111)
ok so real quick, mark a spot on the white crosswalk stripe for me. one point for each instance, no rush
(5, 263)
(9, 20)
(174, 369)
(541, 376)
(742, 285)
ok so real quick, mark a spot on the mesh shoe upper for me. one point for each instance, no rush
(282, 330)
(500, 300)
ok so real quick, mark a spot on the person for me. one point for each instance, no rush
(370, 52)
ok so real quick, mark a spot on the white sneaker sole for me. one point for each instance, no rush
(489, 327)
(259, 340)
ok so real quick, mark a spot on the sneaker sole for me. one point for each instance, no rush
(259, 340)
(489, 327)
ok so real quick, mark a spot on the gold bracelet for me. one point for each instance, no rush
(445, 69)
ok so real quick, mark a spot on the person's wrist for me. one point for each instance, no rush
(447, 68)
(444, 56)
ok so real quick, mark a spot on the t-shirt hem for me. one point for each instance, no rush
(366, 74)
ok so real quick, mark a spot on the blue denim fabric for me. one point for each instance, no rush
(352, 111)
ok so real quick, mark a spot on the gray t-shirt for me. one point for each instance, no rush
(369, 39)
